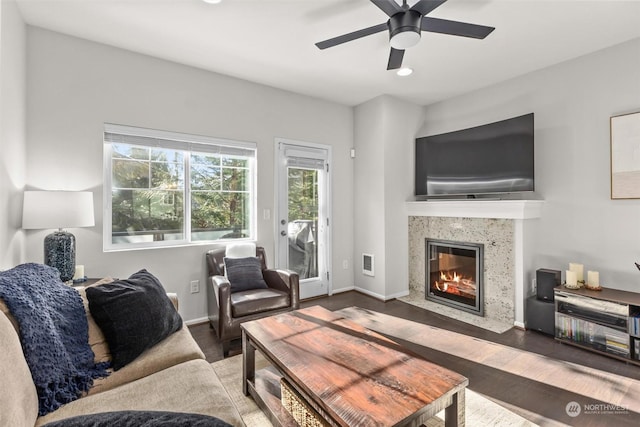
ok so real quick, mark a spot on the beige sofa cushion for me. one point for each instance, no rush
(18, 396)
(176, 348)
(97, 341)
(188, 387)
(6, 312)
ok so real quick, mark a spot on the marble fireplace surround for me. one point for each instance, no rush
(499, 226)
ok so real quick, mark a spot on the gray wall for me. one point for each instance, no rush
(385, 130)
(12, 133)
(74, 86)
(369, 195)
(572, 102)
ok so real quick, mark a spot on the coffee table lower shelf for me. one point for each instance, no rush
(266, 393)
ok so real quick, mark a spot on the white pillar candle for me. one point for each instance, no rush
(593, 278)
(578, 269)
(572, 280)
(79, 272)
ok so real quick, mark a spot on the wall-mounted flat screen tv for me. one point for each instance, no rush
(495, 158)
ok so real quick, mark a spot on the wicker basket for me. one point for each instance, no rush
(300, 410)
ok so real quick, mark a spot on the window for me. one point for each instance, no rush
(167, 189)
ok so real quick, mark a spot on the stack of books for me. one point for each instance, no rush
(618, 344)
(593, 335)
(634, 324)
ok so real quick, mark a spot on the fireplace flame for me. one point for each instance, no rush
(445, 285)
(446, 278)
(454, 283)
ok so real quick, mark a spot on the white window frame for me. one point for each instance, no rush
(153, 138)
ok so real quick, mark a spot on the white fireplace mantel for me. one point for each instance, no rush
(477, 208)
(516, 210)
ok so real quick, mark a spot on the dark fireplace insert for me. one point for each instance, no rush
(454, 274)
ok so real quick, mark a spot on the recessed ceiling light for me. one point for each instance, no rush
(212, 1)
(404, 72)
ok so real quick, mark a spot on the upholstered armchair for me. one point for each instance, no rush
(229, 304)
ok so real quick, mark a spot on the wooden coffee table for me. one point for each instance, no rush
(349, 375)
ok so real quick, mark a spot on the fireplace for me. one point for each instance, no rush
(454, 274)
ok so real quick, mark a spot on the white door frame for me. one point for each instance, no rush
(324, 285)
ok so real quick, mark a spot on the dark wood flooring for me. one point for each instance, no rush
(540, 403)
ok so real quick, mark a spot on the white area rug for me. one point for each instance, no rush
(230, 373)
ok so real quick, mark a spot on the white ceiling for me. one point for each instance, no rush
(272, 42)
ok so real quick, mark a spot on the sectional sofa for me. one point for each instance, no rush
(172, 376)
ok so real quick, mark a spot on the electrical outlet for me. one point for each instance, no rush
(533, 286)
(195, 286)
(345, 264)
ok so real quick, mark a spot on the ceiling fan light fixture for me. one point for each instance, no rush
(405, 25)
(404, 40)
(404, 29)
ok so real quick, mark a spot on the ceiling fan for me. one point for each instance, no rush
(405, 25)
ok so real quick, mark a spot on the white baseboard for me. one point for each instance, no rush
(347, 289)
(382, 297)
(196, 321)
(368, 292)
(519, 325)
(398, 295)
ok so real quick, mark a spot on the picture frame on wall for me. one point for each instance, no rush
(625, 156)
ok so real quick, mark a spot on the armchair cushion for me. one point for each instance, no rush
(255, 301)
(244, 274)
(134, 314)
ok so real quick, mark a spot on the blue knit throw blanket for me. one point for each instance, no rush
(53, 332)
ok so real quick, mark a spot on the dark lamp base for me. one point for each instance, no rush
(60, 253)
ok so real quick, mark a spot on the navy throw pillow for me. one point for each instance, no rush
(244, 274)
(134, 314)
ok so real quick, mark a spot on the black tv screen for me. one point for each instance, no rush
(489, 159)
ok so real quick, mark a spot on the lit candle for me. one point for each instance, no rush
(593, 278)
(578, 269)
(572, 279)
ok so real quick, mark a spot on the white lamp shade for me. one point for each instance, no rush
(57, 209)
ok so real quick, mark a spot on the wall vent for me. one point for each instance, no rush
(368, 265)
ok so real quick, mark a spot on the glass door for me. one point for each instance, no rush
(303, 215)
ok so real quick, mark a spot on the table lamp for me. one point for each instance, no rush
(58, 209)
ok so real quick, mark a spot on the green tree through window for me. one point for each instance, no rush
(150, 187)
(303, 194)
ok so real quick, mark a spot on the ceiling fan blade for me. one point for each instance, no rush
(389, 7)
(395, 59)
(426, 6)
(352, 36)
(455, 28)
